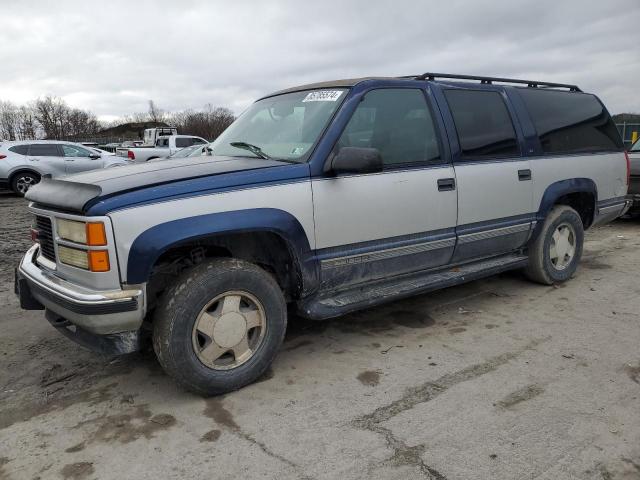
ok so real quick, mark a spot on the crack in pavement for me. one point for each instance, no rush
(223, 417)
(404, 454)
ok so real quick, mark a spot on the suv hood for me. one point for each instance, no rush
(75, 192)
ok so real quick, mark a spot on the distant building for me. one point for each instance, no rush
(629, 127)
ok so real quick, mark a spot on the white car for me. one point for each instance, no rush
(23, 163)
(164, 146)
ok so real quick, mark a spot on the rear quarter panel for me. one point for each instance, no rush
(607, 170)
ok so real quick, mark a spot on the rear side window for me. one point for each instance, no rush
(570, 122)
(44, 150)
(19, 149)
(483, 124)
(184, 142)
(398, 123)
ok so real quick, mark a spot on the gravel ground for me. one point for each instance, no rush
(496, 379)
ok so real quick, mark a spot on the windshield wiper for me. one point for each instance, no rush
(257, 151)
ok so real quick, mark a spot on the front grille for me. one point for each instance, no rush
(45, 237)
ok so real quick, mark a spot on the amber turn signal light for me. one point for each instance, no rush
(96, 235)
(98, 260)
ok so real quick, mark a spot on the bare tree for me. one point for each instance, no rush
(208, 123)
(155, 114)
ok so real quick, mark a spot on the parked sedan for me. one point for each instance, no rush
(22, 164)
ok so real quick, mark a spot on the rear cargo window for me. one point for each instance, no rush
(483, 124)
(19, 149)
(570, 122)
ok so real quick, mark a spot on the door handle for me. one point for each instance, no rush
(446, 184)
(524, 175)
(69, 160)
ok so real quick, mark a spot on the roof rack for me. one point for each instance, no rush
(490, 80)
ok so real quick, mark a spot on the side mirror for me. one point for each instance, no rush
(357, 160)
(94, 156)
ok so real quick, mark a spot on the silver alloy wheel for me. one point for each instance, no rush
(229, 330)
(24, 183)
(563, 246)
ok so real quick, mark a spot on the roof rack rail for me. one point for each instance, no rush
(490, 80)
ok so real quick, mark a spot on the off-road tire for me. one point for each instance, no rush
(178, 311)
(541, 268)
(31, 178)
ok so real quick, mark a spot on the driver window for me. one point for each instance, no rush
(398, 123)
(74, 151)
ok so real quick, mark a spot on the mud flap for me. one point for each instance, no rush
(22, 290)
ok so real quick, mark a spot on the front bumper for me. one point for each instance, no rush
(97, 312)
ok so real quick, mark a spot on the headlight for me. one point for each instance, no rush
(91, 233)
(94, 260)
(73, 256)
(72, 230)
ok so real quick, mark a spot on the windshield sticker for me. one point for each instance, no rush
(323, 96)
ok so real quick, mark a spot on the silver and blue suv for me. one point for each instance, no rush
(23, 163)
(322, 199)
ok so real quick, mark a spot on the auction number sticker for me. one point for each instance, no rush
(323, 96)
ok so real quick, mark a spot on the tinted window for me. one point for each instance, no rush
(74, 151)
(19, 149)
(184, 142)
(398, 123)
(483, 124)
(570, 122)
(44, 150)
(197, 141)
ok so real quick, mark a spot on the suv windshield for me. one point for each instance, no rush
(635, 147)
(283, 127)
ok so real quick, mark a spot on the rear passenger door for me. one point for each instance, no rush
(494, 183)
(371, 226)
(46, 158)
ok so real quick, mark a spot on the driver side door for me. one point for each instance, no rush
(371, 226)
(78, 159)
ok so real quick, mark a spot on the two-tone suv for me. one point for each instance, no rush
(324, 198)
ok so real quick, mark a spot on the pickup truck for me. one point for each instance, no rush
(164, 146)
(322, 200)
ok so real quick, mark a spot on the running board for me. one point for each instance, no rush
(333, 304)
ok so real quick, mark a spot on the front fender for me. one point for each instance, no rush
(152, 243)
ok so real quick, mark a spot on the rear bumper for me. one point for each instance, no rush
(635, 202)
(96, 312)
(609, 210)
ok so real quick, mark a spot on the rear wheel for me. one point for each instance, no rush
(219, 327)
(23, 181)
(556, 252)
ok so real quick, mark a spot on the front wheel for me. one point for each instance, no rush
(554, 255)
(219, 327)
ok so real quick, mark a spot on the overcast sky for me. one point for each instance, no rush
(111, 57)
